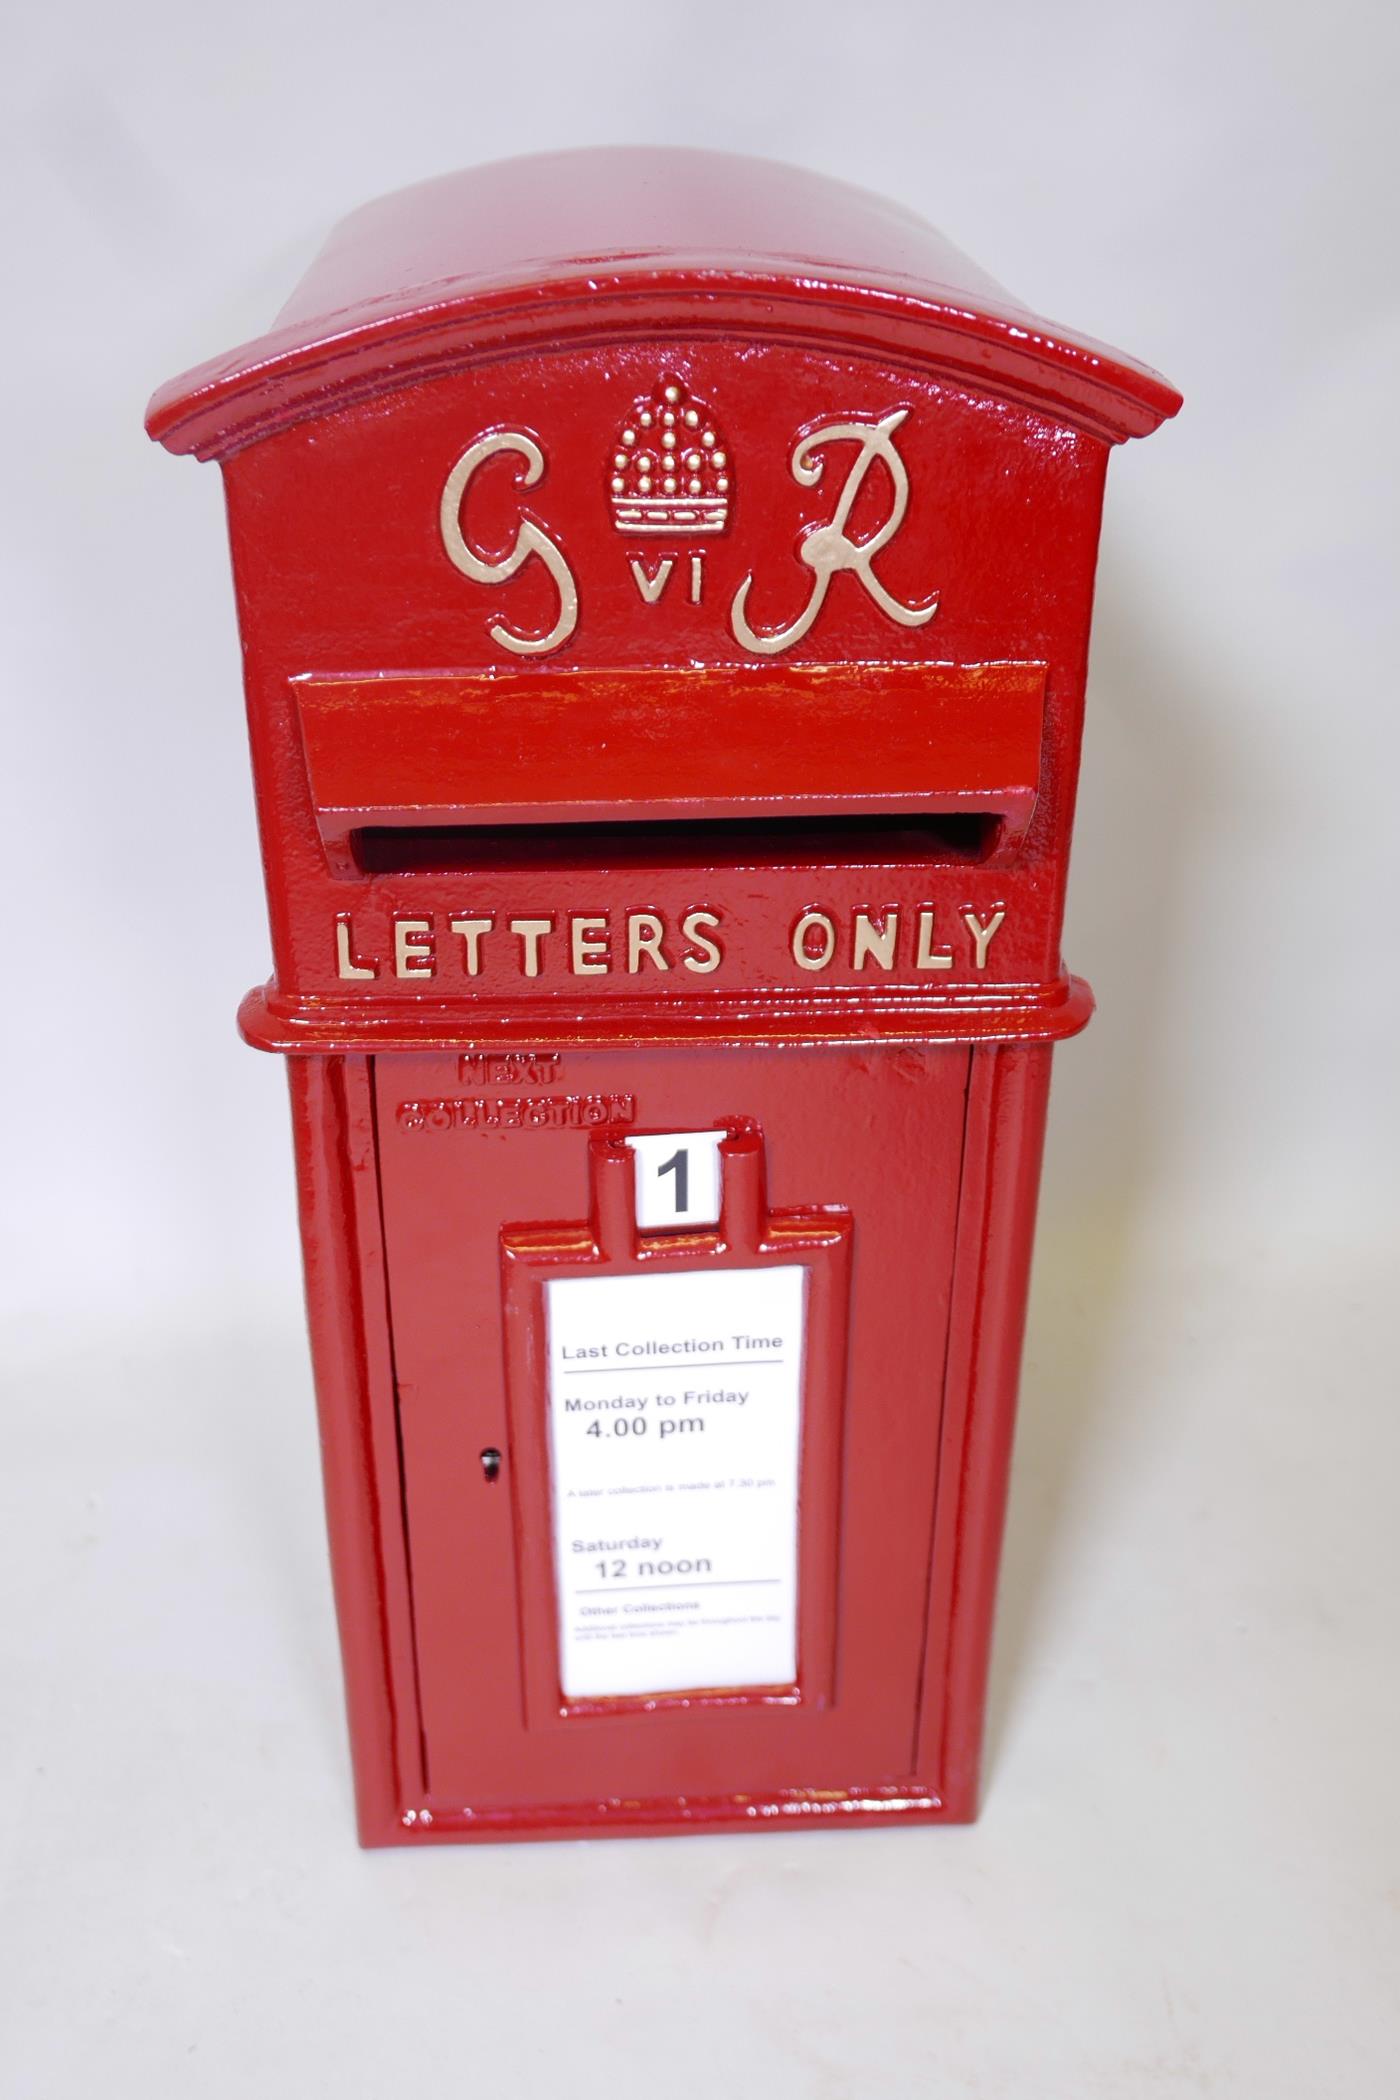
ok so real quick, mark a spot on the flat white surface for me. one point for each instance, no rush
(675, 1409)
(1185, 1880)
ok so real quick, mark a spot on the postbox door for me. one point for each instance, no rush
(473, 1147)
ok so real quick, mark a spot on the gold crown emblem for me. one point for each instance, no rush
(670, 470)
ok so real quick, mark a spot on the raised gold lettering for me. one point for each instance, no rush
(982, 935)
(471, 931)
(650, 587)
(711, 955)
(413, 948)
(531, 933)
(588, 947)
(828, 550)
(530, 539)
(929, 957)
(644, 931)
(813, 922)
(345, 963)
(878, 942)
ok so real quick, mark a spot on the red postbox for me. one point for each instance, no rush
(664, 582)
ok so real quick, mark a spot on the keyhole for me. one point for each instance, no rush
(490, 1464)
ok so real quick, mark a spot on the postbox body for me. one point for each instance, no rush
(665, 584)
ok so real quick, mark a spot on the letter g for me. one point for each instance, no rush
(530, 538)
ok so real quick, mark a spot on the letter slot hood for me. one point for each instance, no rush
(574, 747)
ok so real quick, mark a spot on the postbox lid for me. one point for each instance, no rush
(610, 242)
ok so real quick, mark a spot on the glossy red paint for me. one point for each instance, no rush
(700, 1731)
(762, 741)
(593, 799)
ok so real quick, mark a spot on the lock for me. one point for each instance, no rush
(664, 583)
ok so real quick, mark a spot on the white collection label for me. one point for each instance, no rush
(675, 1431)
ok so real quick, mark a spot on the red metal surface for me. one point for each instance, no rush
(748, 1235)
(347, 1316)
(1002, 521)
(607, 245)
(761, 741)
(591, 798)
(448, 1187)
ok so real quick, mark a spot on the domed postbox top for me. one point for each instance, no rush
(569, 248)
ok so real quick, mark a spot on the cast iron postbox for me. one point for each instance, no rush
(664, 582)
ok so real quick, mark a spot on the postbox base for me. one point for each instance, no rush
(667, 1818)
(991, 1160)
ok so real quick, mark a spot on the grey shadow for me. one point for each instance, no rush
(1150, 788)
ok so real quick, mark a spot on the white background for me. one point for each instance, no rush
(1187, 1877)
